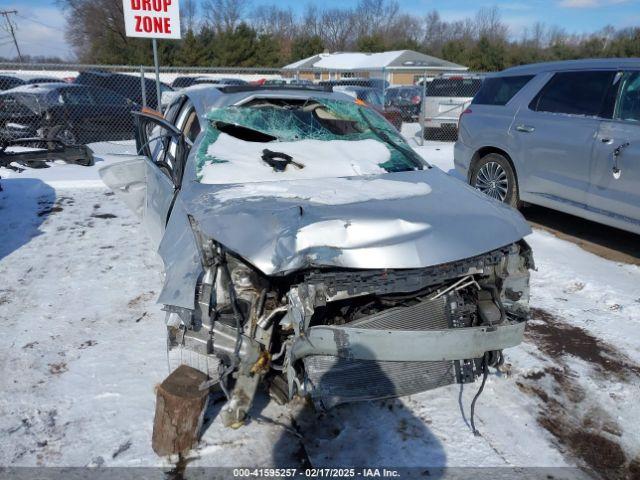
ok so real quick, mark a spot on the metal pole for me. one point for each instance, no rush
(384, 89)
(6, 14)
(143, 87)
(155, 62)
(422, 105)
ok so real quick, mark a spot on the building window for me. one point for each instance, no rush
(316, 75)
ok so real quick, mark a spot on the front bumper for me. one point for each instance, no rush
(408, 345)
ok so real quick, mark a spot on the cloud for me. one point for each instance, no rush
(39, 31)
(589, 3)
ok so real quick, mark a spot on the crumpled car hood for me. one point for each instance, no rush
(395, 220)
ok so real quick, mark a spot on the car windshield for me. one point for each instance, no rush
(24, 103)
(268, 140)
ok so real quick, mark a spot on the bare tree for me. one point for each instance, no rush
(337, 28)
(489, 24)
(374, 17)
(93, 25)
(225, 15)
(273, 20)
(188, 10)
(310, 21)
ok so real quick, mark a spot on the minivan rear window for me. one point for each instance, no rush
(453, 87)
(499, 90)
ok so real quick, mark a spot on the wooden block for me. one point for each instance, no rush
(180, 407)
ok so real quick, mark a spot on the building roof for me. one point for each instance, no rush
(394, 60)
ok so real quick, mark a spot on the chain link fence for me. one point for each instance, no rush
(88, 104)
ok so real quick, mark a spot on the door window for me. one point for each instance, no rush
(576, 93)
(163, 143)
(77, 96)
(628, 106)
(108, 98)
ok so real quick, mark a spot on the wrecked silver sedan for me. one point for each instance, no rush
(307, 247)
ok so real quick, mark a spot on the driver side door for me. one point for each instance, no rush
(149, 183)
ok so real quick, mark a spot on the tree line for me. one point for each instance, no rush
(229, 33)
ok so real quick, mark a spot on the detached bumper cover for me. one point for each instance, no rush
(407, 345)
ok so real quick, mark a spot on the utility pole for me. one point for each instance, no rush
(10, 29)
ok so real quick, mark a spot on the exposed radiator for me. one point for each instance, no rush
(332, 380)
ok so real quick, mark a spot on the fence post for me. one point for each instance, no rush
(422, 105)
(384, 88)
(143, 87)
(155, 61)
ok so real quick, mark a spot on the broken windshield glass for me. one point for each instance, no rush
(323, 138)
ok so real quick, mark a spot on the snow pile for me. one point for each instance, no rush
(241, 161)
(327, 191)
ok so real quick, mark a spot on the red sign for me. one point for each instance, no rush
(152, 18)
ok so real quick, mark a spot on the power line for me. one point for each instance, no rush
(36, 21)
(6, 14)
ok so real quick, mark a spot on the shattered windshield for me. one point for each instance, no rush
(275, 139)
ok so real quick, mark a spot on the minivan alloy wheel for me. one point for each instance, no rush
(493, 181)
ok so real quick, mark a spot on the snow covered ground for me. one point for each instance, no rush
(82, 347)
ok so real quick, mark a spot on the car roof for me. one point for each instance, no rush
(47, 87)
(206, 98)
(36, 88)
(584, 64)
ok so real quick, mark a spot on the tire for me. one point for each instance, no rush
(62, 133)
(494, 176)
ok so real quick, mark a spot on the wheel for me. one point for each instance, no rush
(62, 133)
(493, 175)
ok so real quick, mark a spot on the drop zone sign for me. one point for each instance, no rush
(152, 18)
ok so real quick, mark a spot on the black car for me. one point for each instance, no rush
(74, 114)
(128, 86)
(183, 82)
(9, 81)
(406, 99)
(12, 81)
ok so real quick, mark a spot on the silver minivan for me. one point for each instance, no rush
(564, 135)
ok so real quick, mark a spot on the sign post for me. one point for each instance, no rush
(153, 19)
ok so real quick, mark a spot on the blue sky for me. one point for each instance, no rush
(41, 24)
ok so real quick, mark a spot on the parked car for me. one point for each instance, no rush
(307, 247)
(16, 79)
(9, 81)
(374, 98)
(564, 135)
(275, 81)
(74, 114)
(127, 86)
(375, 83)
(446, 98)
(406, 99)
(187, 81)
